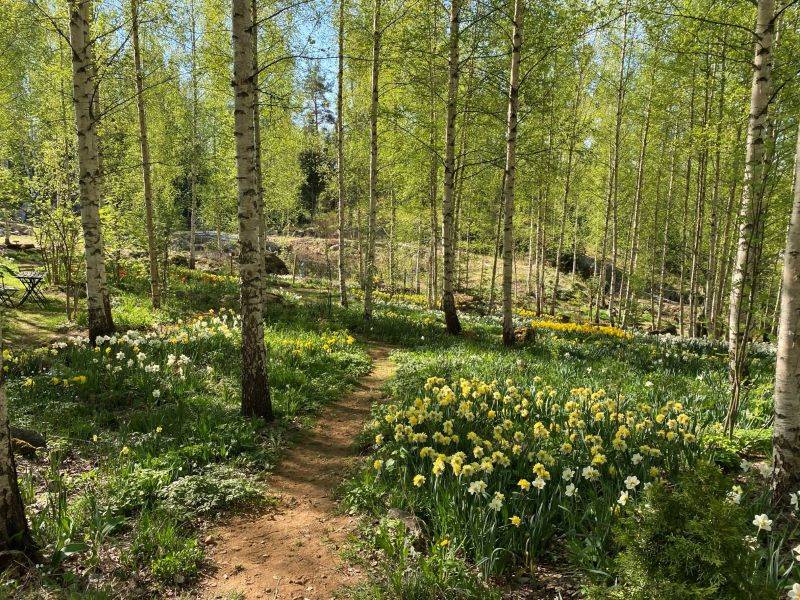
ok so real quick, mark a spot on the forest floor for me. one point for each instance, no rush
(292, 552)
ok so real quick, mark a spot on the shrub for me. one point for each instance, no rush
(687, 541)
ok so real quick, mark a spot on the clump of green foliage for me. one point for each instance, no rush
(688, 540)
(408, 573)
(169, 553)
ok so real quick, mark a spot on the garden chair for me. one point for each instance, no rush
(7, 294)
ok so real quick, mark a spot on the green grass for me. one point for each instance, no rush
(145, 438)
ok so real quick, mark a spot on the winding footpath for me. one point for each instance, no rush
(292, 552)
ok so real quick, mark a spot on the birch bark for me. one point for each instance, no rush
(255, 388)
(510, 173)
(84, 90)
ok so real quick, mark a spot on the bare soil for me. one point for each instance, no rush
(292, 553)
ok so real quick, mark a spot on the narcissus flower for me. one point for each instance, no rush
(762, 521)
(477, 487)
(419, 480)
(497, 502)
(515, 521)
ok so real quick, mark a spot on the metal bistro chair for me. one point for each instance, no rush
(7, 293)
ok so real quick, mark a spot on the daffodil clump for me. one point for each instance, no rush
(123, 367)
(577, 328)
(416, 300)
(504, 465)
(311, 344)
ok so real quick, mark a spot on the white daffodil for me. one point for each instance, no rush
(477, 487)
(623, 498)
(762, 521)
(735, 495)
(631, 481)
(497, 501)
(794, 592)
(590, 472)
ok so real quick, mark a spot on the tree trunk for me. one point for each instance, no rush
(567, 182)
(262, 224)
(192, 168)
(752, 195)
(510, 173)
(626, 290)
(392, 246)
(15, 536)
(615, 164)
(699, 212)
(373, 163)
(155, 294)
(448, 299)
(360, 244)
(84, 92)
(255, 388)
(786, 431)
(340, 159)
(498, 243)
(665, 243)
(712, 265)
(533, 255)
(721, 276)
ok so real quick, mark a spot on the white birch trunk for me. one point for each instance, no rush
(255, 388)
(340, 159)
(755, 160)
(84, 89)
(510, 173)
(786, 431)
(372, 225)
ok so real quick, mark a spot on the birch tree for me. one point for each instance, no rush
(340, 159)
(369, 282)
(510, 172)
(255, 388)
(786, 431)
(448, 299)
(152, 251)
(15, 537)
(752, 196)
(84, 92)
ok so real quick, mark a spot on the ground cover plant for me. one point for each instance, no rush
(146, 443)
(516, 458)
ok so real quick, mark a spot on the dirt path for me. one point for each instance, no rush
(292, 553)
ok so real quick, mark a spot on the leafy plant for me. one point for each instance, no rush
(688, 541)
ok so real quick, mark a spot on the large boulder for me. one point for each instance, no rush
(274, 265)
